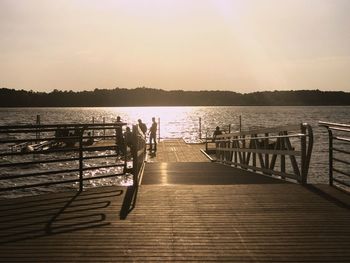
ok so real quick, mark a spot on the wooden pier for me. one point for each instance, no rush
(185, 211)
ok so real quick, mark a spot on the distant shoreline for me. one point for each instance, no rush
(147, 97)
(43, 107)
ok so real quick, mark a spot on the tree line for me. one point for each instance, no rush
(119, 97)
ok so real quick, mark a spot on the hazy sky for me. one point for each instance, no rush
(238, 45)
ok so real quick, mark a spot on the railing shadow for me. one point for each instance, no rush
(139, 153)
(41, 218)
(335, 199)
(129, 202)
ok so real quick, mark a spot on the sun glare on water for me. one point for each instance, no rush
(172, 120)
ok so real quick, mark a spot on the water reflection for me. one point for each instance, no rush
(183, 122)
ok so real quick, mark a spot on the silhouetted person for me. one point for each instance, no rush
(90, 140)
(128, 138)
(70, 142)
(119, 139)
(142, 126)
(58, 132)
(65, 132)
(216, 132)
(153, 135)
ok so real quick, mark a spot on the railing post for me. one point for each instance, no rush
(283, 157)
(125, 151)
(206, 141)
(37, 135)
(81, 181)
(200, 127)
(254, 154)
(266, 146)
(158, 129)
(303, 155)
(93, 122)
(104, 130)
(135, 144)
(240, 123)
(236, 144)
(243, 147)
(330, 153)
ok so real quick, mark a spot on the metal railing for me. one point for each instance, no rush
(258, 150)
(209, 141)
(138, 153)
(339, 151)
(35, 155)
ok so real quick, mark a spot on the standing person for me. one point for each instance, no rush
(128, 138)
(142, 126)
(119, 139)
(216, 132)
(153, 135)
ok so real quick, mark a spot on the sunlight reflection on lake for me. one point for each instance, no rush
(183, 122)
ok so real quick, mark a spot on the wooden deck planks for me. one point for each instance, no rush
(234, 223)
(177, 150)
(198, 173)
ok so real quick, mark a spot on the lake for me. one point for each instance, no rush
(183, 122)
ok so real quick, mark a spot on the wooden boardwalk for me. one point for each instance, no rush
(176, 150)
(184, 212)
(197, 173)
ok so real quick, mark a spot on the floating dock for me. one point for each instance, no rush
(187, 209)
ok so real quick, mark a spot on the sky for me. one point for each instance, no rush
(238, 45)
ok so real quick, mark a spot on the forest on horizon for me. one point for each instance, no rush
(119, 97)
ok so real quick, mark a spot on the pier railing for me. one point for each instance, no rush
(339, 151)
(284, 152)
(56, 154)
(138, 153)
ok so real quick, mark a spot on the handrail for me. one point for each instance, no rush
(258, 150)
(338, 139)
(82, 153)
(333, 124)
(65, 125)
(138, 152)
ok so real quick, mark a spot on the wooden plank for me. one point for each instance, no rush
(232, 223)
(201, 173)
(177, 150)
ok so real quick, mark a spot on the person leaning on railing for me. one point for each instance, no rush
(119, 138)
(216, 132)
(142, 126)
(128, 138)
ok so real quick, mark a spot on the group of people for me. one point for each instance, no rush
(152, 132)
(124, 140)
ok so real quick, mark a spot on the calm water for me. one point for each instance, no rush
(176, 122)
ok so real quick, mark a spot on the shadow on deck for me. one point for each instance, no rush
(185, 212)
(51, 214)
